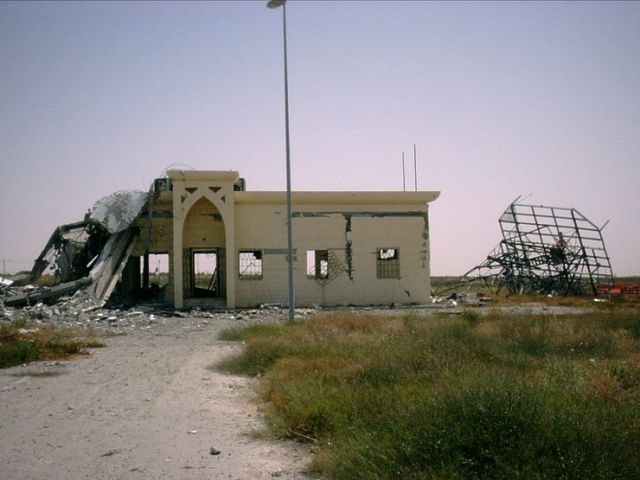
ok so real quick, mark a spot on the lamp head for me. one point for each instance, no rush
(275, 3)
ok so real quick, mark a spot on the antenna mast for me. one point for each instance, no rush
(404, 185)
(415, 168)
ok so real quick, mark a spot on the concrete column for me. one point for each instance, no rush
(145, 271)
(231, 263)
(178, 225)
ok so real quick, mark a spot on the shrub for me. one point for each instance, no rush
(21, 343)
(17, 353)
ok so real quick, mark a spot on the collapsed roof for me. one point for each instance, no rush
(546, 250)
(88, 256)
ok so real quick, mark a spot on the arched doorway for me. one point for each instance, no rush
(204, 255)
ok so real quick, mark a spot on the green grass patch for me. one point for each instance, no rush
(21, 342)
(497, 396)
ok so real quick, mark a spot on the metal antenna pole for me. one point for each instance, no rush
(415, 168)
(404, 185)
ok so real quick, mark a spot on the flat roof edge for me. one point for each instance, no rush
(391, 198)
(203, 175)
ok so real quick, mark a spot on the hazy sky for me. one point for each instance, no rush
(501, 99)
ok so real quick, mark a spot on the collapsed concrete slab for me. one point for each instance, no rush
(88, 255)
(45, 294)
(68, 253)
(109, 266)
(117, 211)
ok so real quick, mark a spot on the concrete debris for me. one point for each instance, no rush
(85, 258)
(117, 211)
(456, 299)
(107, 269)
(72, 312)
(68, 253)
(32, 295)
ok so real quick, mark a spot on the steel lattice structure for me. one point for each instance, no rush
(546, 250)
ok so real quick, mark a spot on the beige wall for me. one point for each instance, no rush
(324, 227)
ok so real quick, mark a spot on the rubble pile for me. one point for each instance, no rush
(79, 311)
(85, 257)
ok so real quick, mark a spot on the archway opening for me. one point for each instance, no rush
(204, 272)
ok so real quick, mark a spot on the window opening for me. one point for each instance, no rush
(318, 264)
(250, 263)
(205, 274)
(388, 263)
(158, 270)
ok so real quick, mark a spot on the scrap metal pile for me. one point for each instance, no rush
(546, 250)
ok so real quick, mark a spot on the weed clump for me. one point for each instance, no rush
(496, 397)
(21, 343)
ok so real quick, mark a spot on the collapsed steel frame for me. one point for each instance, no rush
(546, 250)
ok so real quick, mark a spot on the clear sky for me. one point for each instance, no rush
(502, 99)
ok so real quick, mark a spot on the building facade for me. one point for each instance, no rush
(227, 246)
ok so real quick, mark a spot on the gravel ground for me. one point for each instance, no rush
(147, 406)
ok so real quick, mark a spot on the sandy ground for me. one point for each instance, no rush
(145, 407)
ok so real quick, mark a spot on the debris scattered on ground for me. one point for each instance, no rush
(73, 312)
(110, 453)
(455, 299)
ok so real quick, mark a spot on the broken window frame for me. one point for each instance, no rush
(156, 273)
(213, 288)
(318, 264)
(388, 263)
(250, 265)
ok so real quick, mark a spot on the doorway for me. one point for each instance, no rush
(204, 273)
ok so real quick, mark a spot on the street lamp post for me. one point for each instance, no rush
(276, 4)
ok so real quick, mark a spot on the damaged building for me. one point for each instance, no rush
(198, 238)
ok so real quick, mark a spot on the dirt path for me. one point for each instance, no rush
(145, 407)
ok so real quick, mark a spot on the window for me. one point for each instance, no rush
(388, 263)
(250, 262)
(318, 264)
(205, 274)
(158, 269)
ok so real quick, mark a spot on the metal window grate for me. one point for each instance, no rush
(318, 264)
(250, 262)
(388, 263)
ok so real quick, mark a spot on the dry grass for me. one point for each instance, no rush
(497, 396)
(22, 342)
